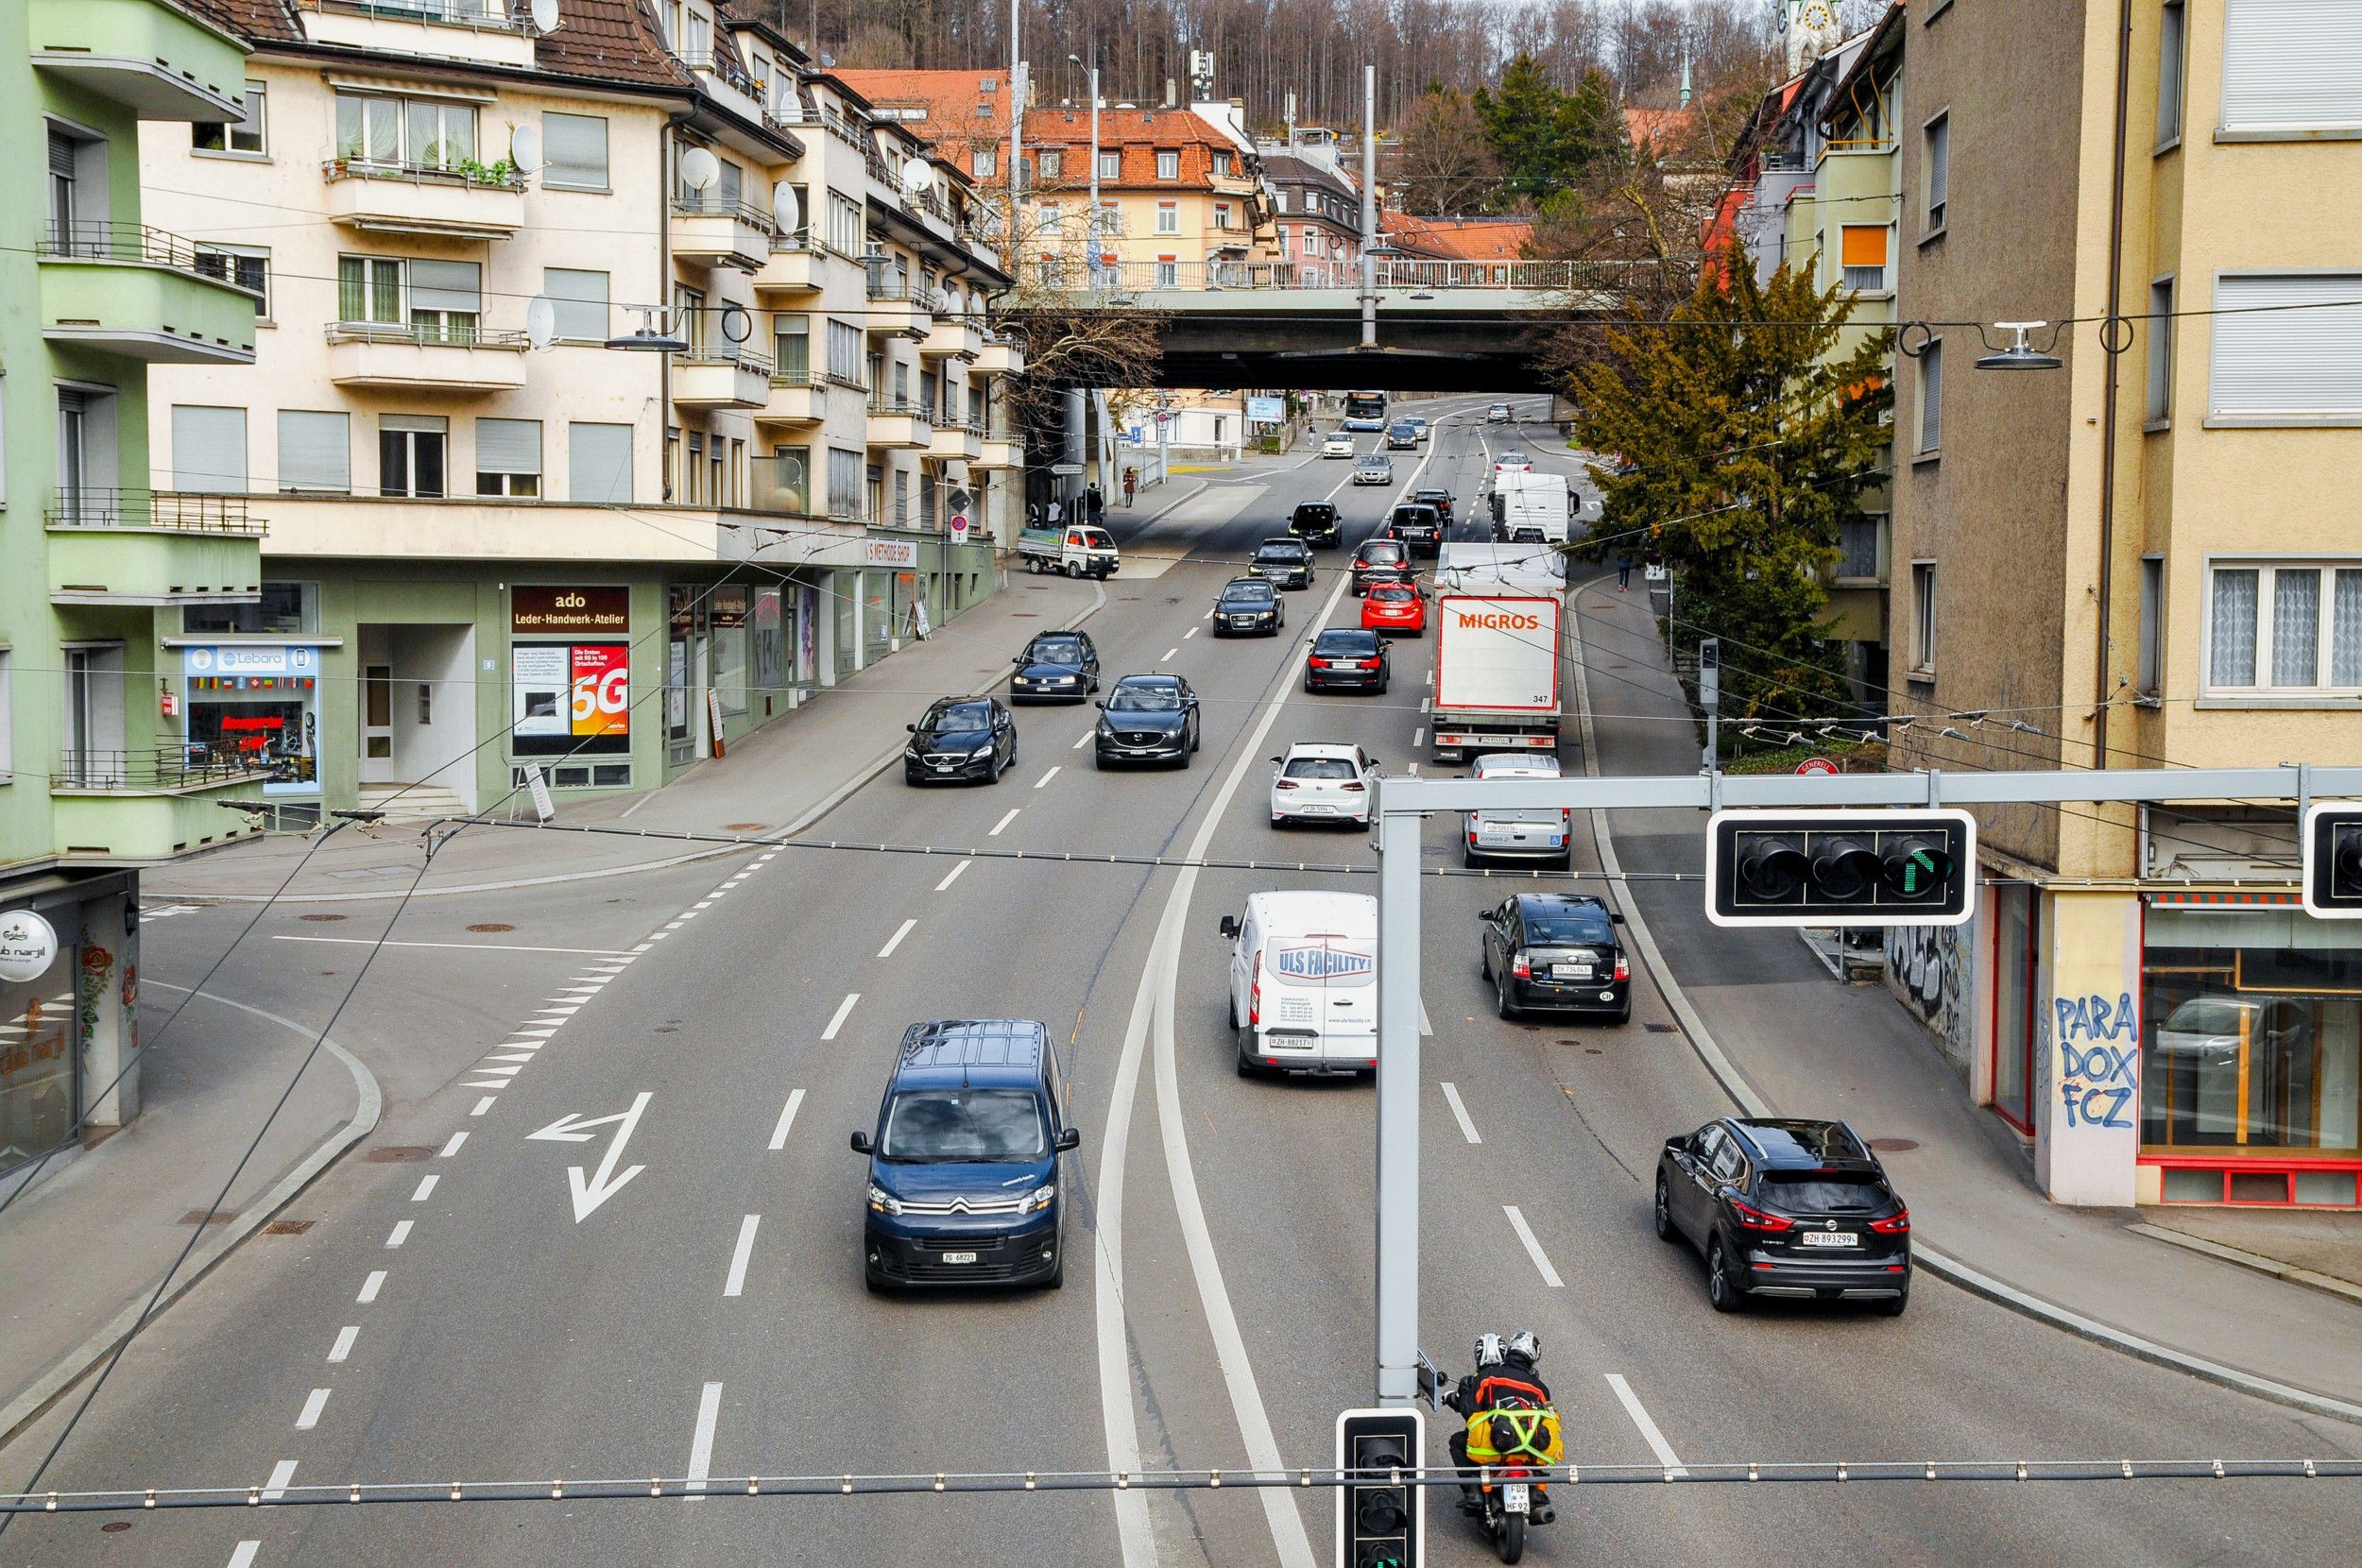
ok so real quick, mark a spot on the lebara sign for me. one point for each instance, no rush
(1323, 964)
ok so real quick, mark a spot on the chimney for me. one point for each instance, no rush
(1171, 92)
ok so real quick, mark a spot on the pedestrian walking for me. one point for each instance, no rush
(1094, 504)
(1623, 573)
(1054, 513)
(1131, 483)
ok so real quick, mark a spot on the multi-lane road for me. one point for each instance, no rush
(696, 1046)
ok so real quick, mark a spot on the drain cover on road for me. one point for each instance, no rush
(745, 826)
(491, 926)
(1893, 1146)
(395, 1153)
(1658, 1028)
(289, 1227)
(322, 918)
(209, 1217)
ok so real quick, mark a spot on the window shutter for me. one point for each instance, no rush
(2304, 362)
(446, 286)
(580, 301)
(315, 451)
(574, 148)
(62, 152)
(598, 463)
(2291, 63)
(209, 449)
(1931, 398)
(508, 446)
(1862, 245)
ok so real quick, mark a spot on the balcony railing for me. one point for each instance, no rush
(886, 283)
(704, 206)
(156, 768)
(178, 511)
(466, 172)
(844, 130)
(903, 406)
(425, 335)
(1538, 277)
(745, 359)
(727, 69)
(104, 241)
(483, 15)
(778, 486)
(798, 378)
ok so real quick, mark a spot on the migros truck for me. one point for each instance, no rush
(1499, 650)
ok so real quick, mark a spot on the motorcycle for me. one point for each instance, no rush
(1511, 1493)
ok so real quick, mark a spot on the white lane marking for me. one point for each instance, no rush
(896, 939)
(280, 1473)
(485, 1084)
(463, 947)
(1640, 1418)
(1431, 678)
(312, 1405)
(453, 1147)
(1045, 778)
(483, 1106)
(1080, 741)
(787, 1119)
(1459, 1114)
(427, 1187)
(1169, 656)
(1004, 823)
(702, 904)
(1533, 1248)
(953, 874)
(837, 1021)
(508, 1056)
(244, 1556)
(370, 1287)
(1425, 703)
(1207, 616)
(655, 937)
(401, 1234)
(701, 1440)
(1418, 736)
(1192, 631)
(740, 1255)
(344, 1336)
(1426, 1028)
(637, 803)
(1414, 769)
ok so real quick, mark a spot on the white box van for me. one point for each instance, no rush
(1303, 983)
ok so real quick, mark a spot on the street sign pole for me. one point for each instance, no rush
(1399, 1112)
(1710, 697)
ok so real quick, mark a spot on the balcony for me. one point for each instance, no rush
(956, 441)
(136, 293)
(999, 356)
(155, 60)
(488, 33)
(797, 397)
(999, 452)
(732, 380)
(147, 805)
(899, 423)
(796, 268)
(727, 82)
(709, 232)
(109, 546)
(956, 336)
(414, 359)
(471, 202)
(898, 305)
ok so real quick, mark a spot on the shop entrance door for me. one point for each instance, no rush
(377, 723)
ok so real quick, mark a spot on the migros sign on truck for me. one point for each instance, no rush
(1495, 619)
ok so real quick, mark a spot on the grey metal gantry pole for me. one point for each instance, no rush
(1369, 206)
(1397, 1105)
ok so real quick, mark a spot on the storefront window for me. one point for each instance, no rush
(770, 640)
(876, 615)
(2016, 915)
(255, 703)
(39, 1048)
(728, 610)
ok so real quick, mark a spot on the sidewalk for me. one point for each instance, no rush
(1783, 1034)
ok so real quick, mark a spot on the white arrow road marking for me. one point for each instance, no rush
(787, 1119)
(701, 1440)
(1533, 1248)
(570, 1128)
(740, 1255)
(1640, 1418)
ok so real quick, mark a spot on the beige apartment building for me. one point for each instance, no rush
(496, 537)
(2150, 556)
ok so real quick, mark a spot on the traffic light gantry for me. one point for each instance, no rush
(1840, 867)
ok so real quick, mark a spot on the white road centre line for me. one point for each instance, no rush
(1004, 821)
(1459, 1114)
(1207, 616)
(312, 1405)
(1425, 703)
(701, 1440)
(453, 1147)
(280, 1473)
(1426, 1029)
(740, 1255)
(1080, 741)
(344, 1336)
(1045, 778)
(787, 1119)
(1414, 769)
(1191, 632)
(896, 939)
(370, 1287)
(1418, 736)
(1169, 656)
(244, 1556)
(483, 1106)
(1640, 1418)
(837, 1021)
(1533, 1248)
(401, 1234)
(427, 1187)
(953, 874)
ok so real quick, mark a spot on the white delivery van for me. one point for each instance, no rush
(1303, 983)
(1536, 508)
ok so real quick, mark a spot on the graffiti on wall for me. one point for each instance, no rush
(1928, 967)
(2097, 1078)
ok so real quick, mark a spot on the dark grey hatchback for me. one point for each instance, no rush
(1786, 1207)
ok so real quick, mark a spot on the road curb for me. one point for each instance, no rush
(1942, 1265)
(77, 1363)
(2329, 1284)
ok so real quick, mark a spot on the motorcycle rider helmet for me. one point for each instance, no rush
(1524, 1346)
(1489, 1349)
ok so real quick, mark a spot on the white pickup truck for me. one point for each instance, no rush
(1076, 549)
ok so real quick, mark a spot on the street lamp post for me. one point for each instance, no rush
(1090, 225)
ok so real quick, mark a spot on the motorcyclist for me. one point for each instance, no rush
(1506, 1377)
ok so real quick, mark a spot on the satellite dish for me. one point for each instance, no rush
(786, 211)
(918, 175)
(524, 146)
(699, 169)
(947, 302)
(545, 15)
(541, 321)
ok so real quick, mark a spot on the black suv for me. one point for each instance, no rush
(1557, 952)
(1315, 523)
(1784, 1207)
(1056, 667)
(1434, 496)
(1249, 605)
(1418, 526)
(960, 737)
(1374, 555)
(1147, 719)
(1286, 562)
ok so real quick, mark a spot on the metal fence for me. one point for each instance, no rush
(155, 768)
(107, 241)
(181, 511)
(1392, 276)
(446, 334)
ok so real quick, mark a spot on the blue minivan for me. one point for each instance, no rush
(963, 1159)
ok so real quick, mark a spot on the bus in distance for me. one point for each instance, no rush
(1365, 411)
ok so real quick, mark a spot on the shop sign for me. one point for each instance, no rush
(29, 944)
(902, 552)
(1266, 411)
(538, 612)
(250, 658)
(570, 697)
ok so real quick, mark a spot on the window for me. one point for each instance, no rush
(574, 151)
(845, 354)
(1052, 219)
(509, 457)
(1922, 618)
(845, 483)
(1931, 398)
(1222, 214)
(1287, 199)
(1168, 272)
(1862, 252)
(410, 454)
(2281, 365)
(2172, 50)
(2152, 651)
(1053, 163)
(2285, 627)
(1111, 165)
(2289, 65)
(845, 224)
(209, 449)
(689, 319)
(1312, 241)
(1167, 165)
(982, 163)
(598, 463)
(446, 300)
(368, 289)
(580, 301)
(2161, 350)
(1167, 217)
(694, 491)
(902, 498)
(283, 610)
(1939, 135)
(791, 346)
(247, 265)
(244, 136)
(427, 133)
(315, 451)
(1222, 162)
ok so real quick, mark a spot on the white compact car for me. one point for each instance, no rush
(1337, 444)
(1543, 833)
(1318, 782)
(1496, 415)
(1303, 983)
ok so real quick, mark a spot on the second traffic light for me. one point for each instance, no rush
(1856, 867)
(2333, 860)
(1382, 1510)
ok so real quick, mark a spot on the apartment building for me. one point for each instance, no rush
(1316, 211)
(2144, 557)
(615, 387)
(1181, 195)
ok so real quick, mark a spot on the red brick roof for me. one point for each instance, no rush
(1138, 135)
(603, 39)
(1459, 239)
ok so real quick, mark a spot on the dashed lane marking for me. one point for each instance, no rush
(1169, 656)
(740, 1255)
(953, 874)
(1045, 778)
(701, 1439)
(453, 1147)
(401, 1234)
(1190, 633)
(344, 1336)
(244, 1556)
(787, 1119)
(280, 1473)
(482, 1105)
(370, 1287)
(896, 939)
(1418, 737)
(1640, 1418)
(1080, 741)
(312, 1405)
(1533, 1248)
(463, 947)
(1459, 1114)
(427, 1187)
(1004, 823)
(844, 1009)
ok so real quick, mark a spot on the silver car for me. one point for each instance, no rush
(1372, 468)
(1530, 833)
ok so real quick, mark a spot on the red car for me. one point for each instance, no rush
(1395, 607)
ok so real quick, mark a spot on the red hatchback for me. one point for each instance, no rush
(1395, 607)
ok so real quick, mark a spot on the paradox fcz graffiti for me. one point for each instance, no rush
(2097, 1080)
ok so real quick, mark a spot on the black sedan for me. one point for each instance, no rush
(1056, 667)
(1376, 555)
(960, 737)
(1287, 562)
(1418, 528)
(1147, 719)
(1434, 496)
(1315, 523)
(1556, 951)
(1249, 605)
(1786, 1207)
(1347, 659)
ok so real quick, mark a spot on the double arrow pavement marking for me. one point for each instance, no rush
(607, 1181)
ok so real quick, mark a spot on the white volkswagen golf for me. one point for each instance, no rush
(1319, 782)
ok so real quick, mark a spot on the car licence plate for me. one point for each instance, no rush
(1514, 1497)
(959, 1258)
(1830, 1239)
(1570, 971)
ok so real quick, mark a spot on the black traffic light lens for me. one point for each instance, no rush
(1915, 868)
(2345, 862)
(1772, 866)
(1843, 867)
(1380, 1510)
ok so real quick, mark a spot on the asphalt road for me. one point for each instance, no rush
(708, 1313)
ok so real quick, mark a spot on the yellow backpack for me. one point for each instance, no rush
(1511, 1432)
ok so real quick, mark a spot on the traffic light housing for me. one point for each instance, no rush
(2333, 860)
(1382, 1520)
(1846, 867)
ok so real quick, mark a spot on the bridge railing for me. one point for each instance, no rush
(1394, 275)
